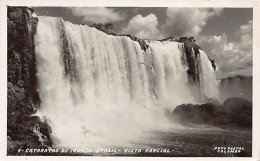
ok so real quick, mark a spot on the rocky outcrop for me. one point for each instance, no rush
(240, 111)
(191, 50)
(213, 64)
(23, 97)
(234, 112)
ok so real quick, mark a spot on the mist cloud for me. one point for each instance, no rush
(143, 27)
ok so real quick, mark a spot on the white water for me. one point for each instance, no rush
(114, 90)
(208, 81)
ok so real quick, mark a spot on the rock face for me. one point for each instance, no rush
(22, 82)
(192, 51)
(234, 112)
(21, 60)
(240, 111)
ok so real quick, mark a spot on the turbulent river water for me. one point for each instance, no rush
(103, 90)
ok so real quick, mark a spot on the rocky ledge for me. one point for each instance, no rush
(235, 112)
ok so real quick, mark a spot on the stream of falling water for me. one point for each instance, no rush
(101, 90)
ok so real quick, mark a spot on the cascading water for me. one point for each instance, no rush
(208, 79)
(97, 89)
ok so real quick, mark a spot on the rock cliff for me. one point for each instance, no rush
(23, 97)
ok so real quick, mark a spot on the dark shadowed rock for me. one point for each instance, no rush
(45, 130)
(240, 111)
(22, 82)
(200, 114)
(234, 112)
(192, 51)
(213, 64)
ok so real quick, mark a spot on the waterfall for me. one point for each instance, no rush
(207, 78)
(98, 89)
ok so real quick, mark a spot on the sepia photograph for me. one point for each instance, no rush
(129, 81)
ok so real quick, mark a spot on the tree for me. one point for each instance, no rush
(106, 27)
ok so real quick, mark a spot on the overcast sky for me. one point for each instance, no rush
(224, 33)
